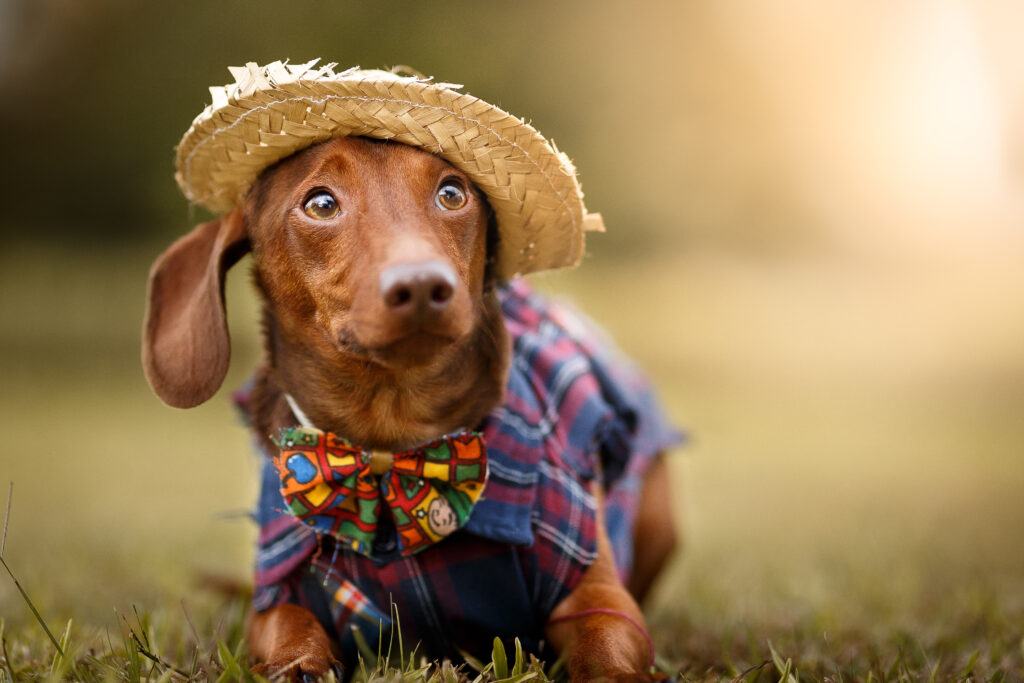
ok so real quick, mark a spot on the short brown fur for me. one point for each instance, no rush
(359, 368)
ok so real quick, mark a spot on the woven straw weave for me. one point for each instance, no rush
(272, 111)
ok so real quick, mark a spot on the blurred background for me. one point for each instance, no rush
(815, 245)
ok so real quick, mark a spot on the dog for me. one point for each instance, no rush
(387, 326)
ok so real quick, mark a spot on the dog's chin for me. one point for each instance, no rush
(412, 350)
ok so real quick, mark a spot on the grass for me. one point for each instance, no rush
(850, 499)
(167, 646)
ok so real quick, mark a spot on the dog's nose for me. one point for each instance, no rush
(416, 289)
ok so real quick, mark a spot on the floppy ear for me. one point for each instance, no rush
(185, 343)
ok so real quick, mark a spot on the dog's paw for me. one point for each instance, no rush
(302, 665)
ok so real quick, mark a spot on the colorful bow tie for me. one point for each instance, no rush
(337, 487)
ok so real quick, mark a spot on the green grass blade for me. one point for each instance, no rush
(474, 663)
(448, 673)
(31, 606)
(60, 663)
(362, 669)
(134, 664)
(785, 669)
(227, 660)
(396, 628)
(969, 668)
(499, 659)
(519, 666)
(365, 651)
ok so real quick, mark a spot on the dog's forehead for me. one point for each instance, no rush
(385, 156)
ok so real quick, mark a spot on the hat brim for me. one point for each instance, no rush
(276, 110)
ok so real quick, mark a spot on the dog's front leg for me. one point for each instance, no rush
(599, 624)
(288, 641)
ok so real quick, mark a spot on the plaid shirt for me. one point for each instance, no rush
(570, 400)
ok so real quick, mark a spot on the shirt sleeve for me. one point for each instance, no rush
(283, 545)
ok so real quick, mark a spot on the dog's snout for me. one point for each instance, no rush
(415, 289)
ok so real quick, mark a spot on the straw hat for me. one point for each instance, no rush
(273, 111)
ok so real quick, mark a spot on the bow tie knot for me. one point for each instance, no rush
(337, 488)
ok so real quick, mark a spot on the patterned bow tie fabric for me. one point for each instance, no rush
(338, 488)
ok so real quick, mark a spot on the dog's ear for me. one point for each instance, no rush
(185, 343)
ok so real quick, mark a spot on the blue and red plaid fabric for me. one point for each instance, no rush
(570, 401)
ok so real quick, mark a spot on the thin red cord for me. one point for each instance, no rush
(605, 610)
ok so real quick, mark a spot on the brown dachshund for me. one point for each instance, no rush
(381, 321)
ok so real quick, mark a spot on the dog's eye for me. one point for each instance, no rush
(450, 196)
(321, 205)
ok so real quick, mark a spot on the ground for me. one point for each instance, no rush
(850, 495)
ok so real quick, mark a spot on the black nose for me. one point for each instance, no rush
(416, 289)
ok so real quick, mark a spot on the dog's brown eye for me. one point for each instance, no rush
(321, 205)
(451, 196)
